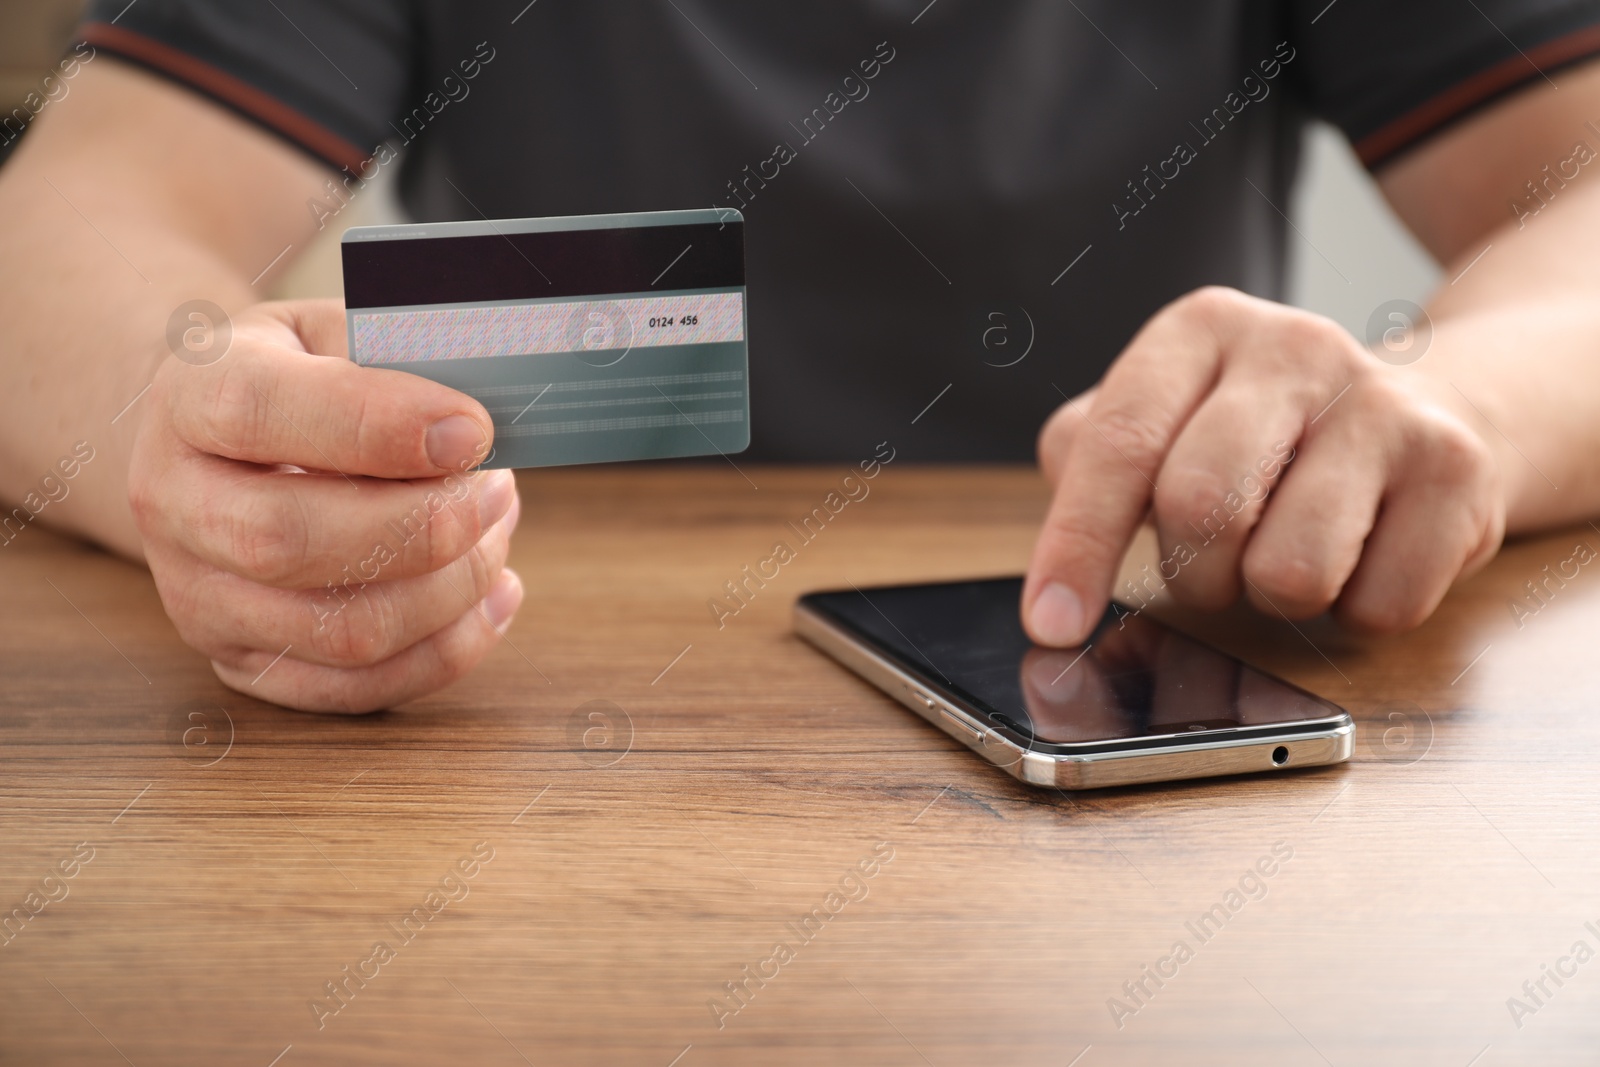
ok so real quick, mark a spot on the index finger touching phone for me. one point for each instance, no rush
(1108, 473)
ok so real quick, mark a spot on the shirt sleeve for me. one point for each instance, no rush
(326, 75)
(1391, 73)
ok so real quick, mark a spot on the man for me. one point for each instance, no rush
(1101, 179)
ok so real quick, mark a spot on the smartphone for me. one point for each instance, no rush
(1137, 702)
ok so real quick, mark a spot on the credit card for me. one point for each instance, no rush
(589, 339)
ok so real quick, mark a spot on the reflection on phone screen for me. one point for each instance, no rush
(1134, 677)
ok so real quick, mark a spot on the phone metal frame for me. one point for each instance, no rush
(1086, 765)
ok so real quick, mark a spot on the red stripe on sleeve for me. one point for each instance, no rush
(219, 84)
(1387, 141)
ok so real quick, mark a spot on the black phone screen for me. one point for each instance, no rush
(1134, 678)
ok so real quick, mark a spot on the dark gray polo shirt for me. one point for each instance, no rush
(957, 212)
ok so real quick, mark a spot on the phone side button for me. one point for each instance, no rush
(923, 698)
(975, 736)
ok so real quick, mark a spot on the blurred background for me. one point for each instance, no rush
(1348, 253)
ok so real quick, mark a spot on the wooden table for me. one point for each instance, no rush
(630, 858)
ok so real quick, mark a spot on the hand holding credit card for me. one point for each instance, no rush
(589, 339)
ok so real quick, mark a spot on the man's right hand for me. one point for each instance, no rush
(315, 527)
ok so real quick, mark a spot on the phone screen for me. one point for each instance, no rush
(1134, 678)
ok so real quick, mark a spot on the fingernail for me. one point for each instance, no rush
(1058, 616)
(455, 443)
(496, 491)
(503, 600)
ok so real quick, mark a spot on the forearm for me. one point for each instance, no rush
(81, 333)
(109, 231)
(1516, 351)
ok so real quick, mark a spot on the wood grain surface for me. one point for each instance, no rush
(567, 857)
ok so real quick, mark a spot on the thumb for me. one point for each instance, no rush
(318, 324)
(1061, 430)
